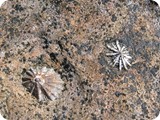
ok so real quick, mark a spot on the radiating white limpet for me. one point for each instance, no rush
(120, 55)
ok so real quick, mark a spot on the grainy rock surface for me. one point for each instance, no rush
(71, 37)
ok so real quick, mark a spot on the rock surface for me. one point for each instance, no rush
(71, 37)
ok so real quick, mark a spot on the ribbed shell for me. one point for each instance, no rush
(43, 83)
(120, 55)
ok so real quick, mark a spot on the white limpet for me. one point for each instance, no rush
(120, 54)
(46, 83)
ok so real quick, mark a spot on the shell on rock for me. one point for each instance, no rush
(120, 55)
(44, 83)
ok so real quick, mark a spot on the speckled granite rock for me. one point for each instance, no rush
(71, 37)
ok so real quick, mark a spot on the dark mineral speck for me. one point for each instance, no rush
(18, 7)
(144, 108)
(104, 1)
(119, 94)
(114, 18)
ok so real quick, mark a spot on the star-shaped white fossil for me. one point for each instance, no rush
(120, 55)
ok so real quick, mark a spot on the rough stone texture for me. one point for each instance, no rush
(71, 36)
